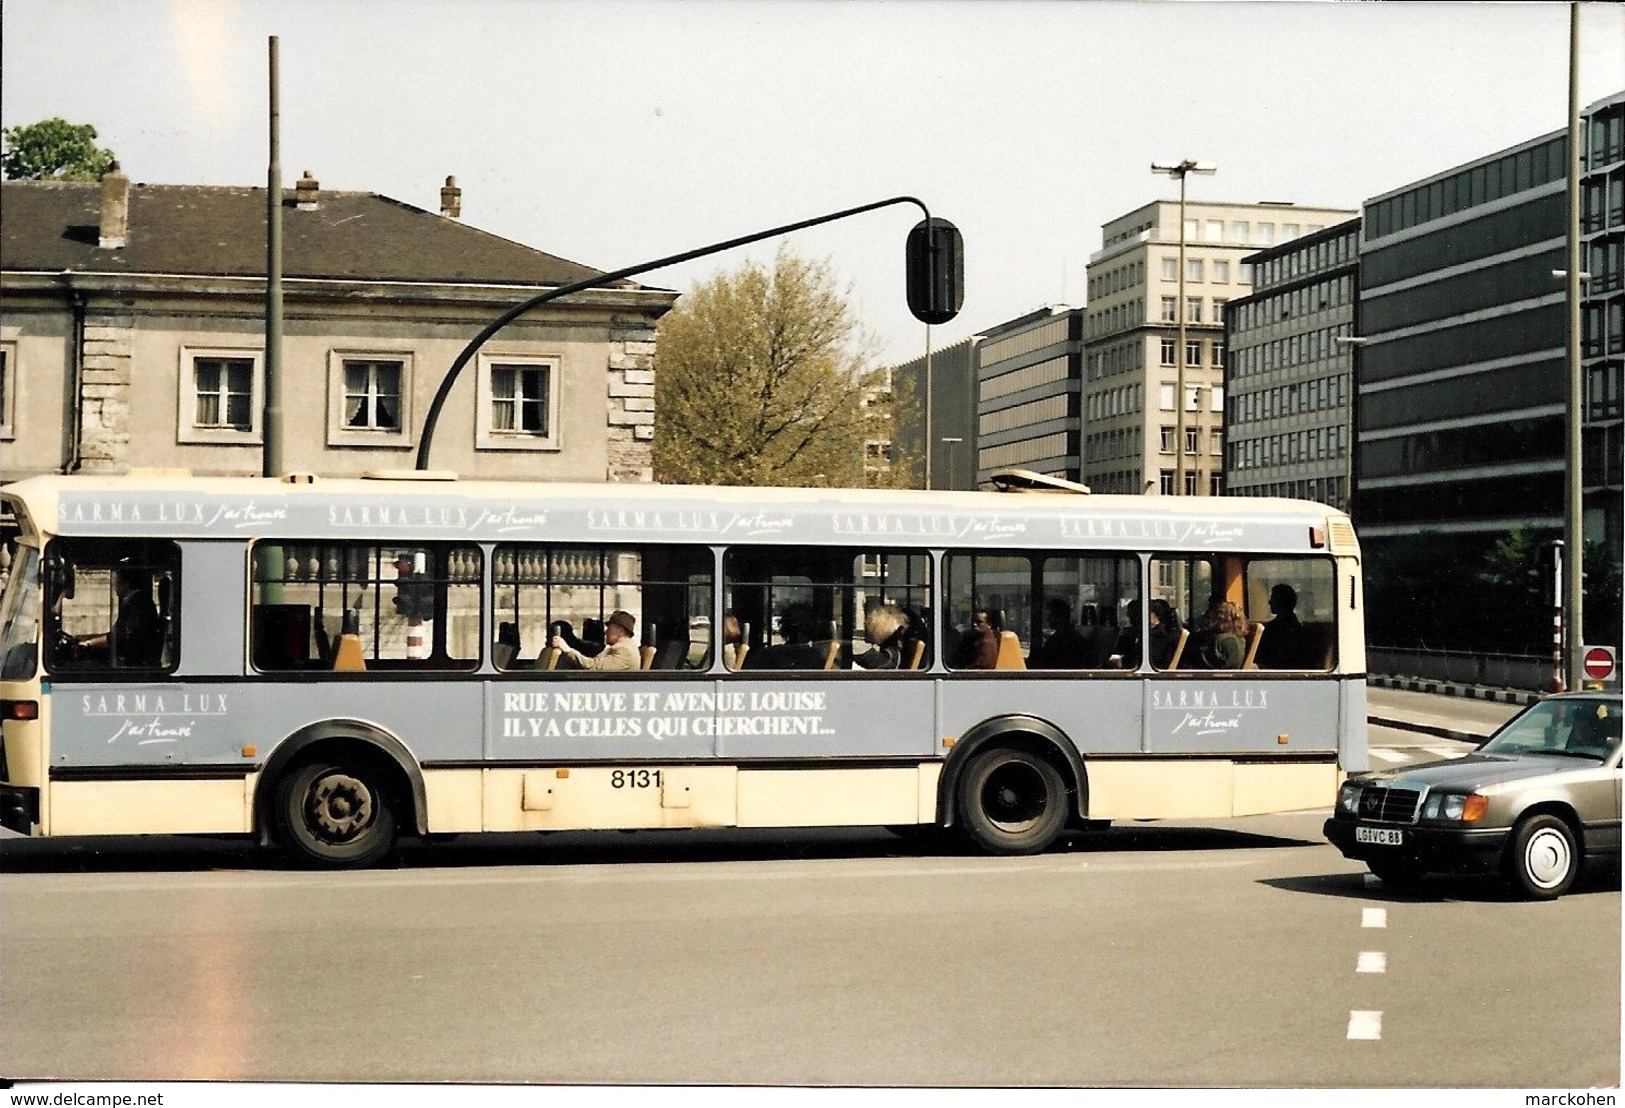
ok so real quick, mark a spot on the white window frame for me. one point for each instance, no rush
(488, 438)
(338, 432)
(1170, 269)
(187, 429)
(9, 378)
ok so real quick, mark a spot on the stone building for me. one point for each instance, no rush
(132, 335)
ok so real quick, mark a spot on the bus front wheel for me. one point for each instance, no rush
(335, 814)
(1012, 801)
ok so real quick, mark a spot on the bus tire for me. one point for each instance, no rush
(335, 815)
(1012, 801)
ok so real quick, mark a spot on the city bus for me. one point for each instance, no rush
(329, 665)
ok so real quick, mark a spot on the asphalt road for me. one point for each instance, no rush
(1240, 953)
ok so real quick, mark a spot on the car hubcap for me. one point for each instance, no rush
(340, 806)
(1547, 858)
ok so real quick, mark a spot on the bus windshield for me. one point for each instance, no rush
(19, 618)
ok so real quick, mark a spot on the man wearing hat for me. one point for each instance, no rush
(620, 652)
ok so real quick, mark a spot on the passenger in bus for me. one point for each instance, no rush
(886, 629)
(1282, 644)
(620, 650)
(800, 626)
(1222, 641)
(1064, 647)
(1164, 637)
(589, 644)
(136, 638)
(979, 647)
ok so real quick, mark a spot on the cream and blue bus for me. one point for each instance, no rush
(331, 665)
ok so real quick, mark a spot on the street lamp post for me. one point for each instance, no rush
(950, 442)
(1180, 172)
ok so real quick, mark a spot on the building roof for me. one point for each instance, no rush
(198, 230)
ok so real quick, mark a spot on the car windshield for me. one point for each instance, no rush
(1573, 728)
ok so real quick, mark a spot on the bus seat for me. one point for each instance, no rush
(506, 647)
(832, 653)
(670, 654)
(916, 653)
(550, 657)
(1319, 646)
(1179, 647)
(1009, 652)
(734, 656)
(646, 656)
(1253, 640)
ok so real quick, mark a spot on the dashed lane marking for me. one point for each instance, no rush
(1365, 1025)
(1373, 917)
(1371, 961)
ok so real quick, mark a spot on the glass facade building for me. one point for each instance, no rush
(1288, 381)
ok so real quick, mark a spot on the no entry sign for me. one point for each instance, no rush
(1599, 662)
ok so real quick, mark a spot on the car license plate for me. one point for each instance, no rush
(1382, 836)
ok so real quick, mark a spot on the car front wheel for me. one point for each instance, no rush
(1542, 860)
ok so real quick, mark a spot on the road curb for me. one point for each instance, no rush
(1448, 688)
(1427, 729)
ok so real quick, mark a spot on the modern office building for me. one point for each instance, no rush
(1602, 226)
(1132, 439)
(1464, 359)
(1029, 373)
(952, 415)
(1288, 373)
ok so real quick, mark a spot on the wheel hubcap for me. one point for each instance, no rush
(340, 806)
(1014, 796)
(1547, 858)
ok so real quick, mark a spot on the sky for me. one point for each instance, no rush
(621, 131)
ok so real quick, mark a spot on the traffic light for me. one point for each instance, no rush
(935, 270)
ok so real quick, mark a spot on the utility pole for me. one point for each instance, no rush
(1573, 536)
(271, 415)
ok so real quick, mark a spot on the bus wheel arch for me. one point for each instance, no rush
(361, 760)
(1032, 749)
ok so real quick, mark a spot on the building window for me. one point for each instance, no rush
(1264, 234)
(1219, 305)
(1190, 484)
(1167, 440)
(1170, 269)
(370, 398)
(372, 395)
(1215, 230)
(1193, 309)
(1170, 349)
(1218, 355)
(1215, 486)
(220, 396)
(1193, 352)
(1165, 484)
(1192, 436)
(1193, 269)
(1221, 271)
(1165, 397)
(8, 389)
(1215, 398)
(1169, 307)
(518, 403)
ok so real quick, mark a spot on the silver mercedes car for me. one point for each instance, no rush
(1532, 804)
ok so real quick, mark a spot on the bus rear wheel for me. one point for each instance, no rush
(1012, 802)
(334, 814)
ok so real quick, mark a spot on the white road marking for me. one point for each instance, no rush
(1365, 1025)
(1445, 751)
(1373, 917)
(1383, 754)
(1371, 961)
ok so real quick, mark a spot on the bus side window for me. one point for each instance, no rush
(119, 612)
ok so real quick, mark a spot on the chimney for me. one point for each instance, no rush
(115, 221)
(307, 193)
(451, 199)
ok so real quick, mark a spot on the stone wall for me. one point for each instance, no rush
(105, 398)
(631, 417)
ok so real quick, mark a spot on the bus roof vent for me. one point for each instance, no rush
(1025, 480)
(298, 478)
(409, 475)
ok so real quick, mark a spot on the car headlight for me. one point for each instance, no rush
(1348, 799)
(1456, 807)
